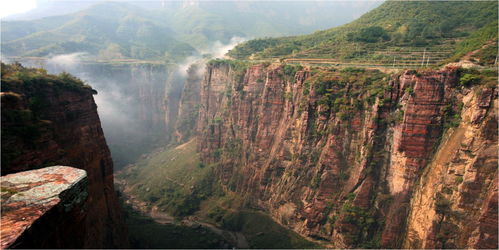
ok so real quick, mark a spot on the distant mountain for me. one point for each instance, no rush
(47, 8)
(199, 22)
(110, 30)
(165, 29)
(401, 26)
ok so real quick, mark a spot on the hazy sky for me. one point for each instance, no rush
(9, 7)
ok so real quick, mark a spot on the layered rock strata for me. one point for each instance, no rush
(342, 156)
(48, 123)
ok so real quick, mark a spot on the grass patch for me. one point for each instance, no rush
(262, 232)
(172, 179)
(258, 228)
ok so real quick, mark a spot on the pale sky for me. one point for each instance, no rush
(9, 7)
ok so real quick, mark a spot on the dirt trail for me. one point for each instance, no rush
(466, 62)
(472, 53)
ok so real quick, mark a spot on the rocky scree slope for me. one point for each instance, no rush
(357, 158)
(52, 120)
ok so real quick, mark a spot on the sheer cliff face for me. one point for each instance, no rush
(138, 105)
(456, 199)
(46, 124)
(356, 159)
(188, 108)
(137, 102)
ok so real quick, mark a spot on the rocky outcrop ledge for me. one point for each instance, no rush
(43, 208)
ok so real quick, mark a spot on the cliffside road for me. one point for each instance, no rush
(386, 68)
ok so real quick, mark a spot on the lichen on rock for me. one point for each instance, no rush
(28, 196)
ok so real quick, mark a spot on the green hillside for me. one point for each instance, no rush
(396, 32)
(113, 30)
(110, 30)
(221, 20)
(175, 180)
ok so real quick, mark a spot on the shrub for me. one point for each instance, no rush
(350, 196)
(468, 80)
(369, 35)
(233, 221)
(315, 182)
(409, 91)
(288, 96)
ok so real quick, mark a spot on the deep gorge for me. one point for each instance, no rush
(338, 155)
(137, 102)
(196, 124)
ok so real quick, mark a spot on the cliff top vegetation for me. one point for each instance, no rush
(15, 73)
(397, 32)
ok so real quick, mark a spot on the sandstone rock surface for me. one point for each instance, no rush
(340, 156)
(31, 198)
(48, 122)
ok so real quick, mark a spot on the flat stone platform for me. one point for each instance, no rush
(27, 196)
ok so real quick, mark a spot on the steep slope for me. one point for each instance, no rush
(138, 104)
(455, 204)
(202, 22)
(350, 158)
(188, 109)
(49, 120)
(339, 156)
(397, 32)
(137, 101)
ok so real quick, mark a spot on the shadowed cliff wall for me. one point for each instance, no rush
(49, 120)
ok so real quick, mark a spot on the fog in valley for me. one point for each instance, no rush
(138, 100)
(249, 124)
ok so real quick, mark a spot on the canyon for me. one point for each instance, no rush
(381, 133)
(346, 157)
(137, 101)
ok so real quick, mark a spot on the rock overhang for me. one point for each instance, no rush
(27, 196)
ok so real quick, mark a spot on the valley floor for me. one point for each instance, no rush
(154, 193)
(138, 212)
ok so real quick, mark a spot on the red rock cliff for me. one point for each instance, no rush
(338, 155)
(49, 120)
(43, 208)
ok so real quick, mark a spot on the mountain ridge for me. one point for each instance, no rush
(402, 26)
